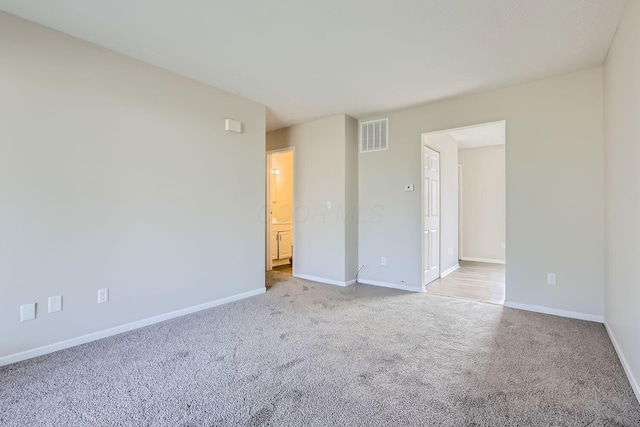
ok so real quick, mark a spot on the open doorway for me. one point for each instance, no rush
(464, 212)
(280, 212)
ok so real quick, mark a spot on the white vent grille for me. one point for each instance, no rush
(374, 135)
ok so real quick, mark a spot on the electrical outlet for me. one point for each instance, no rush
(551, 279)
(103, 295)
(408, 187)
(450, 251)
(27, 312)
(328, 204)
(55, 303)
(504, 246)
(383, 260)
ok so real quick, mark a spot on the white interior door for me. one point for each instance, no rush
(431, 212)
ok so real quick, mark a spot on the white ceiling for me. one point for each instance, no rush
(480, 135)
(309, 59)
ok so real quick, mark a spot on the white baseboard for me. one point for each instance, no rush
(554, 311)
(449, 271)
(627, 369)
(389, 285)
(323, 280)
(488, 260)
(39, 351)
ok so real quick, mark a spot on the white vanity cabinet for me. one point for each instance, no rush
(274, 245)
(281, 243)
(285, 244)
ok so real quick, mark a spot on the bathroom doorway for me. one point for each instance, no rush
(280, 211)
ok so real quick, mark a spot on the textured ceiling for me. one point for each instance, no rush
(308, 59)
(480, 135)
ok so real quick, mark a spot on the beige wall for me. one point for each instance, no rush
(320, 170)
(555, 189)
(622, 156)
(482, 203)
(115, 173)
(282, 191)
(351, 197)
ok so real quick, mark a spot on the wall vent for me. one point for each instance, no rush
(374, 135)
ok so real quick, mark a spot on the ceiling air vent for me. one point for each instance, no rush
(374, 135)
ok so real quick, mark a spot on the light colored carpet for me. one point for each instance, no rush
(313, 354)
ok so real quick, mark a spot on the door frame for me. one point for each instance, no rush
(267, 205)
(423, 137)
(424, 145)
(460, 207)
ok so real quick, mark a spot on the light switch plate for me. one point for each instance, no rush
(27, 312)
(55, 304)
(552, 279)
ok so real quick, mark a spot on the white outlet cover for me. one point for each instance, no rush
(55, 303)
(103, 295)
(551, 279)
(408, 187)
(27, 312)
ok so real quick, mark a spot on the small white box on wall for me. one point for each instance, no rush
(231, 125)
